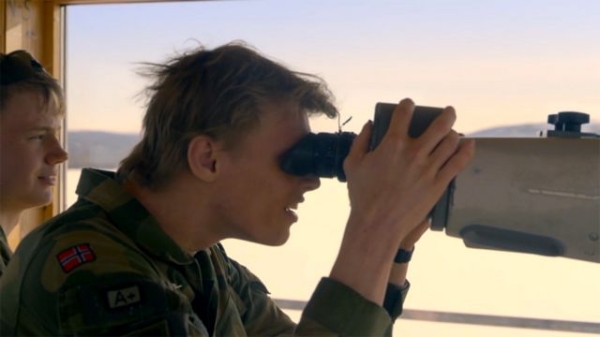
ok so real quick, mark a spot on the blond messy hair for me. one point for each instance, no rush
(217, 93)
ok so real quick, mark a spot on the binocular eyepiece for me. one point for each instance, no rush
(320, 155)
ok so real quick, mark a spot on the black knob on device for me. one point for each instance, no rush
(568, 120)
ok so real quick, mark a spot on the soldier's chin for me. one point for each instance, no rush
(277, 240)
(42, 198)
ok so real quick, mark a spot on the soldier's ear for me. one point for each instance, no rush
(202, 157)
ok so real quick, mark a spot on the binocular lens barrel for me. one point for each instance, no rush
(321, 155)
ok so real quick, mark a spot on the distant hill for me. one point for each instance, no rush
(525, 130)
(105, 149)
(98, 148)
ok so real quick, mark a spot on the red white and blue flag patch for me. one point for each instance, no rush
(75, 256)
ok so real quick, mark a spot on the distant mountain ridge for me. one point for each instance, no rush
(98, 149)
(526, 130)
(106, 149)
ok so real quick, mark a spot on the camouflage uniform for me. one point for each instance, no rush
(105, 267)
(4, 252)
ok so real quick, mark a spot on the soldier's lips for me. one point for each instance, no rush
(49, 180)
(290, 211)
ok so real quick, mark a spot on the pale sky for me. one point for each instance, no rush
(498, 62)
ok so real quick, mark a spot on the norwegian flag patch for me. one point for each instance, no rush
(75, 256)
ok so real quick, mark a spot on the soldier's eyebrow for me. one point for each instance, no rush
(41, 128)
(47, 129)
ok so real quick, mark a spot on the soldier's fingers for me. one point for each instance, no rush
(456, 163)
(445, 149)
(400, 121)
(437, 130)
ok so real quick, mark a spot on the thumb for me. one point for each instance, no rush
(360, 145)
(414, 236)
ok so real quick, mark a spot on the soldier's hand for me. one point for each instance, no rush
(393, 188)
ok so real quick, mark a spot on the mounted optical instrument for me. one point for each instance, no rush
(530, 195)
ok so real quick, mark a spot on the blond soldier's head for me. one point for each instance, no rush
(218, 93)
(217, 124)
(31, 110)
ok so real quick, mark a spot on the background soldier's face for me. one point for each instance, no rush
(29, 151)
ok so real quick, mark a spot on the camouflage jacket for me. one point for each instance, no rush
(5, 253)
(105, 267)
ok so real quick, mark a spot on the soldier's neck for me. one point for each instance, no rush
(9, 220)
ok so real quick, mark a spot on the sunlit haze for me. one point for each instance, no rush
(497, 62)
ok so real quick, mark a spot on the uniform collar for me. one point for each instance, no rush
(5, 252)
(103, 189)
(2, 235)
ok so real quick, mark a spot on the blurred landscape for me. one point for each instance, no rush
(98, 148)
(105, 149)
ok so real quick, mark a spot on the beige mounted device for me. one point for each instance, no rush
(528, 195)
(531, 195)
